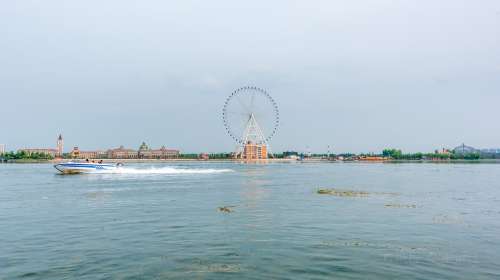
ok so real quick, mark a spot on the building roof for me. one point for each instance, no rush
(463, 149)
(122, 149)
(143, 146)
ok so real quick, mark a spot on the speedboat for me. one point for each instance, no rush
(85, 167)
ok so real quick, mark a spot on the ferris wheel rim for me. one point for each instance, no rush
(275, 110)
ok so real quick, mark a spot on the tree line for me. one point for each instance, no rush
(24, 155)
(399, 155)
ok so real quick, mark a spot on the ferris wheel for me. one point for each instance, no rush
(250, 115)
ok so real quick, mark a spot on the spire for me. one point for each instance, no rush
(60, 145)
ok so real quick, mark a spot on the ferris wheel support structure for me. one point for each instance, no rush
(241, 111)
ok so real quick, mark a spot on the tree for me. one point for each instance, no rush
(392, 153)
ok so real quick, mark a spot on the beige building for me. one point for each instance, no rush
(162, 153)
(57, 152)
(77, 153)
(121, 153)
(2, 149)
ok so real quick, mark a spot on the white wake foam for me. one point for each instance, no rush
(162, 170)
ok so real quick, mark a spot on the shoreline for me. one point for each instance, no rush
(275, 160)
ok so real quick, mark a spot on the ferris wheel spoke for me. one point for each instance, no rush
(245, 107)
(252, 98)
(250, 114)
(238, 127)
(235, 113)
(265, 116)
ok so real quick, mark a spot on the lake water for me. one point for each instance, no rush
(161, 221)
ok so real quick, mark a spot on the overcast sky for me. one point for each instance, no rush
(356, 75)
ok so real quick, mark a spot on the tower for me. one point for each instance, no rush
(254, 145)
(60, 146)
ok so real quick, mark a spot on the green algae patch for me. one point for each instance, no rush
(216, 268)
(448, 219)
(343, 193)
(224, 268)
(226, 209)
(395, 205)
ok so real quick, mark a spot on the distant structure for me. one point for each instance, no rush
(203, 156)
(162, 153)
(465, 150)
(251, 117)
(2, 149)
(255, 146)
(495, 151)
(121, 152)
(253, 151)
(492, 153)
(443, 151)
(60, 146)
(76, 153)
(48, 151)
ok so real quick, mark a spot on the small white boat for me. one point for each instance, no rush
(85, 167)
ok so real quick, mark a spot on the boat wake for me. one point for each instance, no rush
(162, 170)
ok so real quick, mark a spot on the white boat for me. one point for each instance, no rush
(85, 167)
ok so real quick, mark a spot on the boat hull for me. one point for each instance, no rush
(79, 168)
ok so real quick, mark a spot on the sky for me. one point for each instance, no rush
(358, 76)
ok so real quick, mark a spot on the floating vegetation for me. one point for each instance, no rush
(347, 193)
(226, 209)
(97, 195)
(402, 253)
(394, 205)
(217, 268)
(375, 245)
(352, 193)
(387, 193)
(447, 220)
(224, 268)
(203, 266)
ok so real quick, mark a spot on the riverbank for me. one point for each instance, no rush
(54, 161)
(272, 160)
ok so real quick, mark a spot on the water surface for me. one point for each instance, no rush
(161, 221)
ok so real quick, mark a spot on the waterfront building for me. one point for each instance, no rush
(144, 151)
(253, 151)
(57, 152)
(464, 150)
(490, 151)
(77, 153)
(372, 158)
(163, 153)
(203, 156)
(2, 149)
(443, 151)
(121, 153)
